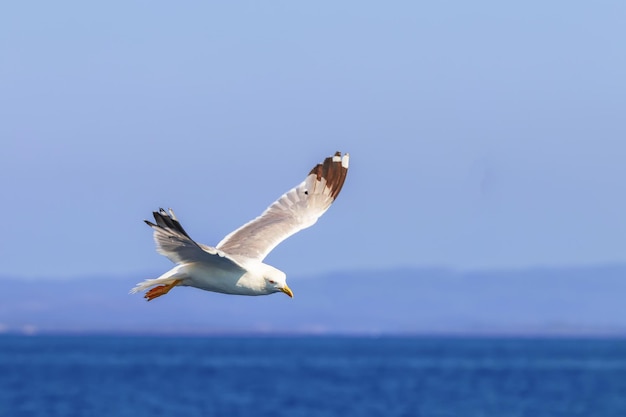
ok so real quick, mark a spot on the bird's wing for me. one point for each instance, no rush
(172, 241)
(295, 210)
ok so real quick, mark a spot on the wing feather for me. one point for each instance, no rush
(173, 242)
(295, 210)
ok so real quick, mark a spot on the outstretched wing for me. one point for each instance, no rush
(295, 210)
(172, 241)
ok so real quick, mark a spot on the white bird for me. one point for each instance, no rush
(235, 265)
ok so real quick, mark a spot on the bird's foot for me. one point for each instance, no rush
(160, 290)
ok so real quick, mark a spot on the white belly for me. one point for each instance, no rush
(222, 280)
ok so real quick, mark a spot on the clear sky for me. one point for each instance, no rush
(483, 134)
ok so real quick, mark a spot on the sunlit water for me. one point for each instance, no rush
(310, 376)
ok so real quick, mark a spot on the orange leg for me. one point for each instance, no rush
(160, 290)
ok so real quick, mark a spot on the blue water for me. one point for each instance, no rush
(310, 376)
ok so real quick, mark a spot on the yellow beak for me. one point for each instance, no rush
(287, 291)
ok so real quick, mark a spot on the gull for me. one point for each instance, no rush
(235, 265)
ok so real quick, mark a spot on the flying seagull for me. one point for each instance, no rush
(235, 265)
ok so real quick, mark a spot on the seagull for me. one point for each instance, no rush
(235, 265)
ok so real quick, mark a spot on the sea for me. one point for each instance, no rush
(141, 376)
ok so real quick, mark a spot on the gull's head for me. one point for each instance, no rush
(275, 281)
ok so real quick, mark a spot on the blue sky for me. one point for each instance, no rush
(483, 134)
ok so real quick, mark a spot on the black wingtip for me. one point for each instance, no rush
(164, 220)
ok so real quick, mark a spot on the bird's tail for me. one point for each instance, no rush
(168, 278)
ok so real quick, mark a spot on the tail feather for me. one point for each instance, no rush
(168, 278)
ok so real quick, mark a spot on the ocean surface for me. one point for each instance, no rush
(310, 376)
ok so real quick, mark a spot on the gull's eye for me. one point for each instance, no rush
(271, 281)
